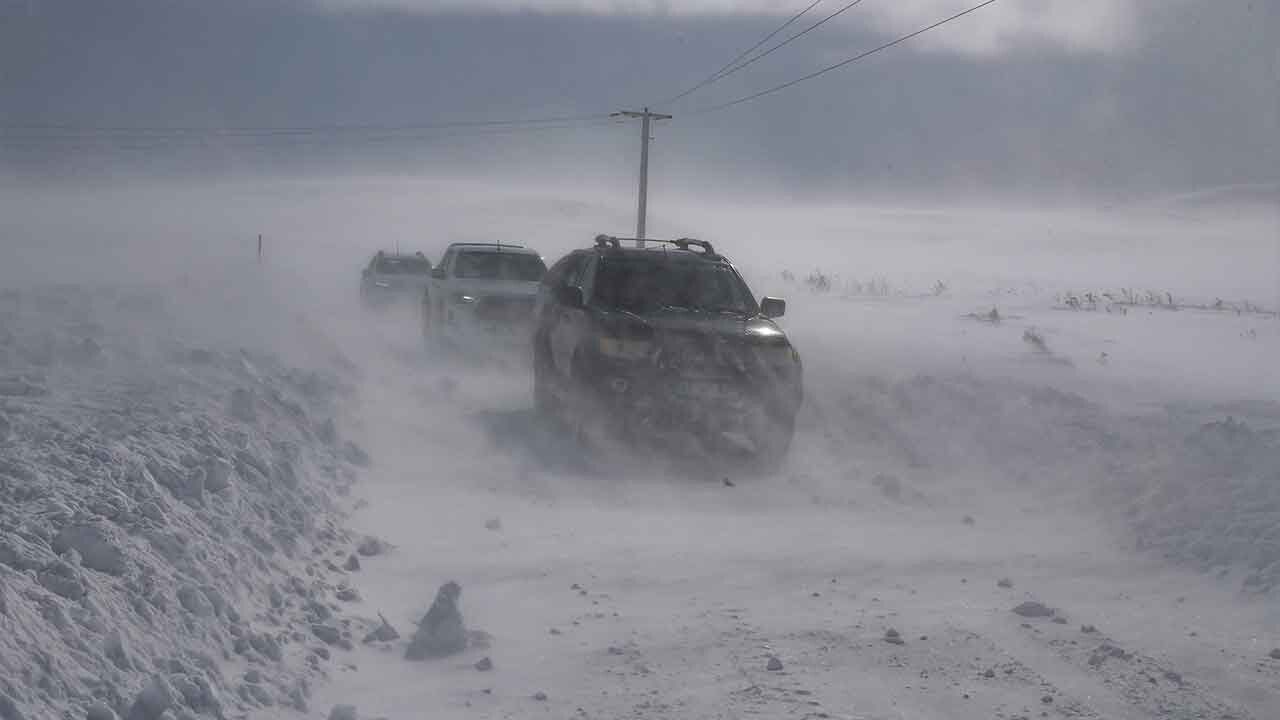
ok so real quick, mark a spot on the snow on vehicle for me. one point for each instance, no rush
(482, 295)
(665, 343)
(390, 278)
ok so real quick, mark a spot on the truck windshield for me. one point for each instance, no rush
(499, 266)
(645, 284)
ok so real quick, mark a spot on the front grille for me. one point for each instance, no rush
(504, 309)
(698, 355)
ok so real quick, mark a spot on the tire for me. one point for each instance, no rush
(772, 439)
(544, 400)
(426, 319)
(584, 408)
(433, 332)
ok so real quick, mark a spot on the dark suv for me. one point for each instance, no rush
(665, 342)
(391, 277)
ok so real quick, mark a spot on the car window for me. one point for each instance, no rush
(488, 265)
(564, 268)
(574, 274)
(587, 275)
(643, 284)
(557, 272)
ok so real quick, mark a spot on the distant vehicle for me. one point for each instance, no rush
(393, 277)
(482, 293)
(664, 344)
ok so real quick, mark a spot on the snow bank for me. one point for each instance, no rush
(1202, 492)
(909, 396)
(1216, 503)
(169, 513)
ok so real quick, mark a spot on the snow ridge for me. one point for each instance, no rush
(169, 515)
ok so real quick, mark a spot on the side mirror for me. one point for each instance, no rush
(772, 307)
(570, 296)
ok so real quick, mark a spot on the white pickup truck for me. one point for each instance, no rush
(482, 294)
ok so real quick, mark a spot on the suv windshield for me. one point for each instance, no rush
(404, 266)
(499, 266)
(641, 284)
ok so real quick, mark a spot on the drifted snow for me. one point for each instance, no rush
(1119, 466)
(159, 533)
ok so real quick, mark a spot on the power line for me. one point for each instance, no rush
(250, 131)
(718, 73)
(782, 44)
(41, 137)
(837, 66)
(235, 142)
(294, 140)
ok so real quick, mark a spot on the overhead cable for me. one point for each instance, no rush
(718, 73)
(836, 66)
(777, 47)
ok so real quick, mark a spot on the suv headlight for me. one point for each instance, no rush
(777, 357)
(624, 348)
(464, 299)
(781, 354)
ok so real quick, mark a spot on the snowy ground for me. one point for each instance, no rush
(1116, 462)
(688, 585)
(170, 508)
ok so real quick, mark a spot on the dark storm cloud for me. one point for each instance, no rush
(1184, 97)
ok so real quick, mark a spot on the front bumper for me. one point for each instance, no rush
(491, 321)
(724, 403)
(392, 294)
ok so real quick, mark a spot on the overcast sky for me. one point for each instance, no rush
(1083, 96)
(1083, 25)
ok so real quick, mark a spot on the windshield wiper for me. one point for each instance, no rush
(728, 310)
(718, 309)
(633, 315)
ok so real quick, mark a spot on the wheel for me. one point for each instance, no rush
(772, 435)
(433, 330)
(426, 318)
(584, 411)
(439, 332)
(544, 401)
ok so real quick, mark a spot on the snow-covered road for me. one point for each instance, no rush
(1114, 461)
(625, 590)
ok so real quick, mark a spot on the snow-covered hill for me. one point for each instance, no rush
(171, 541)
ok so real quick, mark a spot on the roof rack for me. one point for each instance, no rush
(498, 245)
(607, 241)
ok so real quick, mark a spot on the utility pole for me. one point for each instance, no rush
(645, 117)
(1273, 16)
